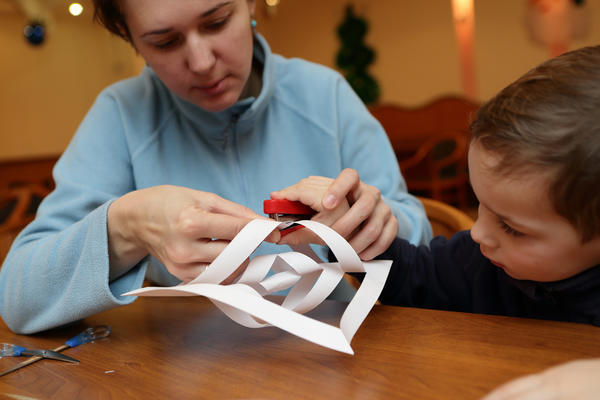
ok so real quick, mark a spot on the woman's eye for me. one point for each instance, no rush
(165, 44)
(217, 24)
(510, 230)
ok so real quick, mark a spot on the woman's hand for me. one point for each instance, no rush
(184, 229)
(573, 380)
(351, 207)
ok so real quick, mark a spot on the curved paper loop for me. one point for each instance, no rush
(236, 252)
(310, 279)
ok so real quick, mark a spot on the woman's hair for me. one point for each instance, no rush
(548, 121)
(109, 14)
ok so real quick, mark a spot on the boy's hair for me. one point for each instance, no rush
(549, 121)
(110, 15)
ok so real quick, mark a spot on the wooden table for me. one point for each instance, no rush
(184, 348)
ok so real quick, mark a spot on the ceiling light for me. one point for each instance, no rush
(75, 9)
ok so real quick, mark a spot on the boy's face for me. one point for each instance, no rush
(518, 229)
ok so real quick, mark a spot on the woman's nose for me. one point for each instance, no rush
(200, 55)
(482, 231)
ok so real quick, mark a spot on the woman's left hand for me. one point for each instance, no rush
(349, 206)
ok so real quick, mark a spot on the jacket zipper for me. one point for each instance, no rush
(230, 131)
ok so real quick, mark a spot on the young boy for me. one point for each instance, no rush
(534, 164)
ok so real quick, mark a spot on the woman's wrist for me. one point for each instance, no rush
(124, 248)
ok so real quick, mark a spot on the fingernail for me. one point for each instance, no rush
(329, 201)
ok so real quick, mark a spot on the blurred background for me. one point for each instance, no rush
(46, 88)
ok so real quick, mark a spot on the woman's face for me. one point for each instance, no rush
(200, 49)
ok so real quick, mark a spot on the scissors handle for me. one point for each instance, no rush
(10, 350)
(89, 335)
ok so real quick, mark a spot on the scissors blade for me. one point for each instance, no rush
(51, 354)
(31, 360)
(22, 364)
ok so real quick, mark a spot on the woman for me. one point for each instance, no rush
(140, 190)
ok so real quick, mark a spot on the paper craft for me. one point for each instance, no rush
(311, 280)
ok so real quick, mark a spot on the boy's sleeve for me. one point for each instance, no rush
(435, 277)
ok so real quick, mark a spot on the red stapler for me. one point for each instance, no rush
(287, 211)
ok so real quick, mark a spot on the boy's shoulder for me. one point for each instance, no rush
(580, 294)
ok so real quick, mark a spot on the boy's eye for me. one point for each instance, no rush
(510, 230)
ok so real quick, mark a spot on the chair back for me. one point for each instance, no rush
(431, 144)
(445, 219)
(17, 209)
(23, 185)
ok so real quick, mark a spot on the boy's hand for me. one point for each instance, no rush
(351, 207)
(573, 380)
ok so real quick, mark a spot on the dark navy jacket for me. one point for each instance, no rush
(452, 274)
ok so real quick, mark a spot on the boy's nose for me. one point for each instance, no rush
(481, 232)
(200, 56)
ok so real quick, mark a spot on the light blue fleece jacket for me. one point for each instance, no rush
(306, 121)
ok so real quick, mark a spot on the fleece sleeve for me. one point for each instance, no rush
(367, 149)
(57, 269)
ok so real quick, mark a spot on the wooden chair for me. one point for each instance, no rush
(17, 208)
(445, 219)
(23, 184)
(439, 168)
(431, 144)
(23, 172)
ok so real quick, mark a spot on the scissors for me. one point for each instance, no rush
(287, 210)
(12, 350)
